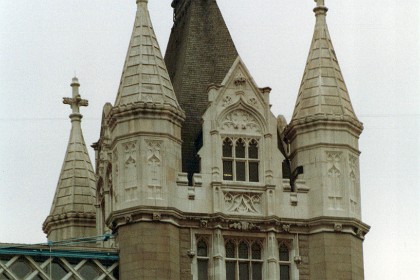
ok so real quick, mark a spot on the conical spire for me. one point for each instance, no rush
(145, 77)
(200, 52)
(323, 90)
(75, 193)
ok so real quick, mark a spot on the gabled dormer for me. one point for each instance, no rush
(238, 130)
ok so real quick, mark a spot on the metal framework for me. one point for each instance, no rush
(43, 263)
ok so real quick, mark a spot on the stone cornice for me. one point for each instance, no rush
(316, 122)
(150, 110)
(237, 222)
(83, 218)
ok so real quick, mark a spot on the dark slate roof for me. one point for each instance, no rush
(200, 52)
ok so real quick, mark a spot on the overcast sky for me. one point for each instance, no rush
(45, 42)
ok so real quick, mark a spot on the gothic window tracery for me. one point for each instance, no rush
(243, 260)
(240, 159)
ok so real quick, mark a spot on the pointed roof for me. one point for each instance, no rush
(75, 192)
(200, 52)
(145, 77)
(323, 90)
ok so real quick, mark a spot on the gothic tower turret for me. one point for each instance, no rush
(323, 136)
(139, 154)
(72, 212)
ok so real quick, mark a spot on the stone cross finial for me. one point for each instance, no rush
(320, 8)
(76, 101)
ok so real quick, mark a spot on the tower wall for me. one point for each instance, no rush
(335, 256)
(153, 250)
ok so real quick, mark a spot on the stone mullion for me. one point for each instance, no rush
(218, 255)
(272, 262)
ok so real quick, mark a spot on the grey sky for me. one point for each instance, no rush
(44, 42)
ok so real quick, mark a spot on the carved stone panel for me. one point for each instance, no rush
(116, 178)
(335, 188)
(240, 121)
(354, 183)
(242, 203)
(130, 171)
(154, 168)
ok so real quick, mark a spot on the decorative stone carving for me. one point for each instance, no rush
(244, 226)
(298, 260)
(338, 227)
(115, 177)
(335, 189)
(156, 216)
(240, 120)
(240, 81)
(227, 100)
(354, 183)
(154, 159)
(203, 223)
(242, 203)
(130, 171)
(285, 228)
(360, 233)
(253, 102)
(128, 219)
(154, 168)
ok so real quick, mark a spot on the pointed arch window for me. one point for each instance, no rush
(243, 260)
(284, 261)
(202, 259)
(240, 159)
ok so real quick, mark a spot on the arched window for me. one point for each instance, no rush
(202, 260)
(240, 160)
(284, 262)
(243, 260)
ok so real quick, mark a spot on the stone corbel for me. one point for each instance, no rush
(182, 179)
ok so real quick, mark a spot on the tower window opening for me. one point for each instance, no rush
(240, 160)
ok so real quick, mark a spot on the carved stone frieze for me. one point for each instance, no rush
(242, 203)
(285, 227)
(240, 120)
(244, 226)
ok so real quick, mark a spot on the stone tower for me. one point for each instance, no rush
(207, 198)
(72, 212)
(139, 158)
(323, 136)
